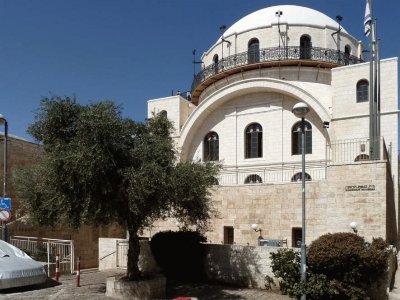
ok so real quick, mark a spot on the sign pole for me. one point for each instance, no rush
(4, 224)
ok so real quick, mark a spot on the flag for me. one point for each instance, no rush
(367, 19)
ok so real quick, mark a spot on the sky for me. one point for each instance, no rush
(130, 51)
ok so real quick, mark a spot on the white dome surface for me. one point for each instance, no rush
(291, 15)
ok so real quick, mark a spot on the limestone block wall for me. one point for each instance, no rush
(244, 266)
(329, 206)
(238, 265)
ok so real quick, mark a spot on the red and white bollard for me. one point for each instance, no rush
(57, 267)
(78, 272)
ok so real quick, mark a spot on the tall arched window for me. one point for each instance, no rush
(253, 140)
(253, 51)
(215, 61)
(297, 177)
(296, 138)
(305, 47)
(362, 90)
(211, 146)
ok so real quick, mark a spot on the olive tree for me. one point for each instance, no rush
(100, 168)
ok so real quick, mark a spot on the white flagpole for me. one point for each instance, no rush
(370, 30)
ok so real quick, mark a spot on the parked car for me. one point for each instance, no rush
(18, 269)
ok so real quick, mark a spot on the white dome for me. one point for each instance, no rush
(291, 14)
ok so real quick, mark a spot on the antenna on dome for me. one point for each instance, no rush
(282, 35)
(195, 62)
(338, 19)
(222, 29)
(278, 14)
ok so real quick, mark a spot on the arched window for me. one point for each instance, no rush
(253, 140)
(297, 177)
(211, 146)
(163, 113)
(362, 157)
(362, 90)
(347, 52)
(253, 51)
(253, 178)
(305, 47)
(296, 138)
(215, 61)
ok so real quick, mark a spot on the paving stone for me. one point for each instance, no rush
(93, 286)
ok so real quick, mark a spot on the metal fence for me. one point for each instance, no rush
(288, 53)
(340, 151)
(350, 150)
(45, 250)
(122, 254)
(271, 174)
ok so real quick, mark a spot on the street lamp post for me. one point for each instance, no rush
(300, 110)
(4, 121)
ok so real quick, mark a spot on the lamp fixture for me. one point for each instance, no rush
(354, 226)
(256, 228)
(300, 110)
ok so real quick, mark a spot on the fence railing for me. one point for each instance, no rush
(45, 250)
(331, 56)
(340, 151)
(352, 150)
(122, 254)
(271, 174)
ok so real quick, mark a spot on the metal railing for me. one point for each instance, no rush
(272, 54)
(340, 151)
(122, 254)
(45, 250)
(352, 150)
(273, 173)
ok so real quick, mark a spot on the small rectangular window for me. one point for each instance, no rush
(296, 237)
(228, 235)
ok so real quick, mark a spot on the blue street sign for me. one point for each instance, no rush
(5, 203)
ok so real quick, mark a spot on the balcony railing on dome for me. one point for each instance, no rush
(290, 53)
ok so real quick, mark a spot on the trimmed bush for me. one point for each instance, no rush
(180, 254)
(349, 262)
(339, 266)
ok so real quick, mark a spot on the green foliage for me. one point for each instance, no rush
(349, 261)
(285, 264)
(101, 168)
(340, 266)
(180, 254)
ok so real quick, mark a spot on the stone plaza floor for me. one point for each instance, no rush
(93, 286)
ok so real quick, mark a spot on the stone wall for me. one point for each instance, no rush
(331, 205)
(245, 266)
(238, 265)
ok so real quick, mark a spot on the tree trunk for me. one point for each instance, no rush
(133, 272)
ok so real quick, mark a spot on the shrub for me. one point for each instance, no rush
(340, 266)
(347, 259)
(285, 264)
(180, 254)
